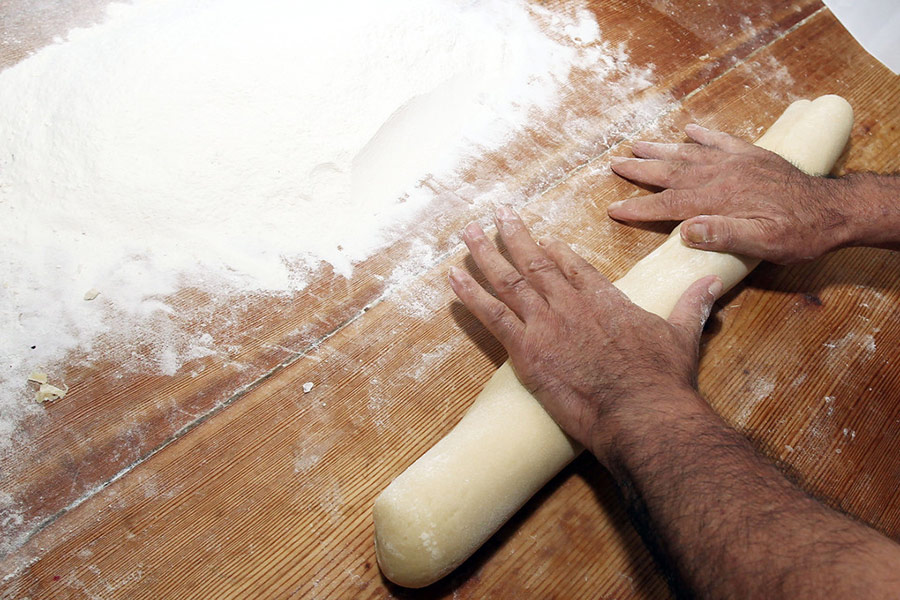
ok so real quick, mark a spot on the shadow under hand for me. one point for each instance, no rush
(865, 267)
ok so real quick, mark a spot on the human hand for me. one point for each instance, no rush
(735, 197)
(579, 345)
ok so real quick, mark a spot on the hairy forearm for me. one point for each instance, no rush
(872, 205)
(727, 524)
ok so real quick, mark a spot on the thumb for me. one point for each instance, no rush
(725, 234)
(693, 308)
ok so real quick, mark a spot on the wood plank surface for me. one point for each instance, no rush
(115, 416)
(240, 485)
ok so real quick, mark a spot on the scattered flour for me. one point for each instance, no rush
(845, 347)
(799, 379)
(11, 520)
(331, 503)
(305, 458)
(868, 343)
(759, 390)
(829, 405)
(236, 147)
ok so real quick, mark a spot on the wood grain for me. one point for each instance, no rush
(116, 416)
(240, 485)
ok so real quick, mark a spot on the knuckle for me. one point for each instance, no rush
(496, 313)
(537, 266)
(722, 234)
(585, 275)
(512, 281)
(574, 270)
(481, 246)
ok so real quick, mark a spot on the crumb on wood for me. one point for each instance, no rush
(47, 392)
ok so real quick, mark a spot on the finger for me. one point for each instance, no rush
(693, 308)
(510, 285)
(676, 174)
(727, 234)
(718, 139)
(668, 205)
(530, 259)
(498, 318)
(680, 152)
(580, 273)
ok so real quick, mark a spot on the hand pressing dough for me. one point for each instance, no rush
(506, 447)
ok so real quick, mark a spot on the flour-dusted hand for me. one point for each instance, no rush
(585, 351)
(736, 197)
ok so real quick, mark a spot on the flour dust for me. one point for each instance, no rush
(238, 148)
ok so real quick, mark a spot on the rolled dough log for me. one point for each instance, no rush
(506, 447)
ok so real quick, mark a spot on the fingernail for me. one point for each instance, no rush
(695, 126)
(699, 233)
(615, 205)
(505, 213)
(454, 275)
(715, 288)
(545, 241)
(473, 231)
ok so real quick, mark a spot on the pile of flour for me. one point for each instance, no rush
(237, 146)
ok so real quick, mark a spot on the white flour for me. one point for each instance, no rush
(237, 145)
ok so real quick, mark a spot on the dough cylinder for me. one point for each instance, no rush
(506, 447)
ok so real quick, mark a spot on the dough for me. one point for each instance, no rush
(506, 447)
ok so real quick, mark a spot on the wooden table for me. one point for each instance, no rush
(227, 481)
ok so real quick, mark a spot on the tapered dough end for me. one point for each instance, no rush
(411, 546)
(811, 135)
(774, 136)
(436, 513)
(409, 569)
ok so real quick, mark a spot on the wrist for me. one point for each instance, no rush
(871, 204)
(641, 422)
